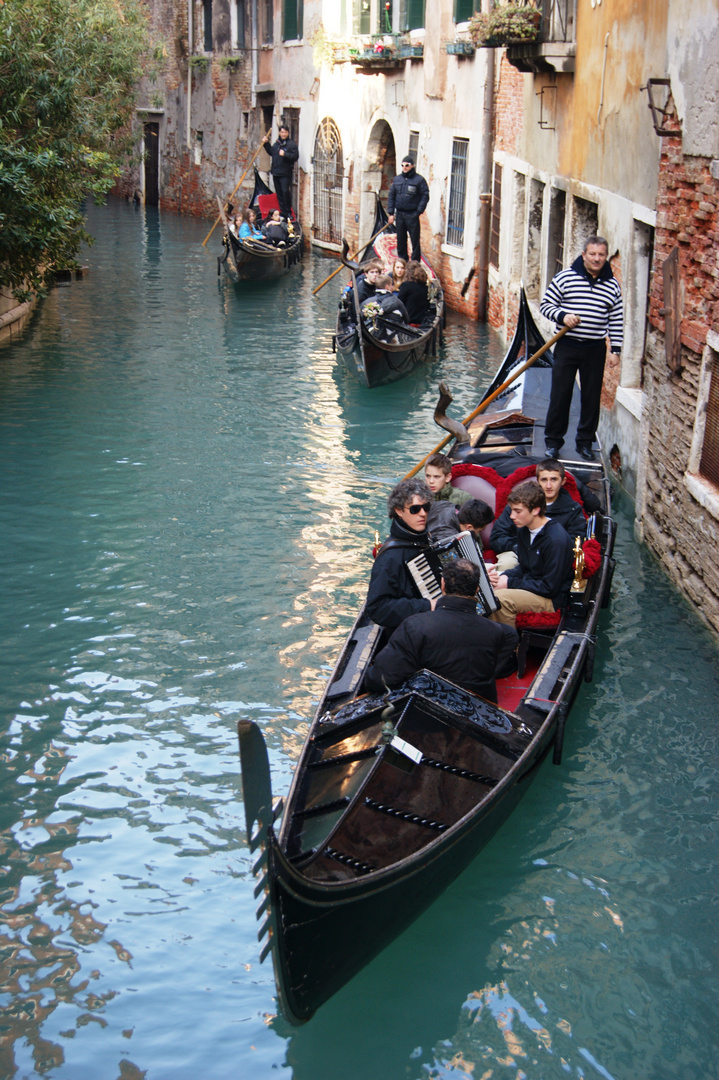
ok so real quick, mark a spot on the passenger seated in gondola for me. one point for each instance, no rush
(367, 280)
(275, 230)
(453, 641)
(392, 595)
(397, 270)
(438, 476)
(561, 507)
(385, 312)
(543, 577)
(414, 294)
(248, 226)
(445, 519)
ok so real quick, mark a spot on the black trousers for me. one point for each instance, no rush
(407, 223)
(283, 191)
(571, 356)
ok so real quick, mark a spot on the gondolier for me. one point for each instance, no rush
(408, 198)
(586, 298)
(284, 154)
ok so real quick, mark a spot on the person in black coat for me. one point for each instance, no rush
(392, 595)
(453, 641)
(284, 154)
(408, 197)
(414, 294)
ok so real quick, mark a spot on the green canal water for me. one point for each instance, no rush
(190, 489)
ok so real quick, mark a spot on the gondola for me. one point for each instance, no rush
(369, 358)
(395, 794)
(258, 260)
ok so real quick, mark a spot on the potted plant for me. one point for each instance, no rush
(459, 48)
(506, 24)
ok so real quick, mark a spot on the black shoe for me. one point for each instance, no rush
(552, 452)
(586, 453)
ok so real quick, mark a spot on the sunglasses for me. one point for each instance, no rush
(418, 507)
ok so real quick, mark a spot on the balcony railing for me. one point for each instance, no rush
(555, 48)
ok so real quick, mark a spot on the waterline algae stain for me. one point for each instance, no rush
(190, 492)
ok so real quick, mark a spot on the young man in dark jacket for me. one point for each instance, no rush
(543, 578)
(453, 641)
(560, 506)
(408, 198)
(284, 154)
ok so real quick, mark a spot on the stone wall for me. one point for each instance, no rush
(678, 511)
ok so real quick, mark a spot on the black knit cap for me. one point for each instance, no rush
(408, 158)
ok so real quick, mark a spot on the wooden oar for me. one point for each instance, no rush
(492, 397)
(204, 242)
(335, 272)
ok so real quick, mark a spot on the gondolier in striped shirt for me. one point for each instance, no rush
(587, 299)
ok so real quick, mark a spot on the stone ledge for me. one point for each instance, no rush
(630, 399)
(705, 493)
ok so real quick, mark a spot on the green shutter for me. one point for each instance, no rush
(415, 14)
(463, 10)
(291, 20)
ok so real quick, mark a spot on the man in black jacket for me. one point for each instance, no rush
(408, 198)
(543, 578)
(392, 595)
(453, 641)
(284, 154)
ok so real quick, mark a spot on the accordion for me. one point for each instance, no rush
(426, 570)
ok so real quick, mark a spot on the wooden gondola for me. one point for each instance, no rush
(372, 360)
(258, 260)
(394, 794)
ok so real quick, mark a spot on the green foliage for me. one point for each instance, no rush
(68, 71)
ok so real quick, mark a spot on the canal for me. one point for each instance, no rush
(190, 490)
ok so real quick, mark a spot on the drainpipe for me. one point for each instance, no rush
(190, 47)
(255, 58)
(485, 187)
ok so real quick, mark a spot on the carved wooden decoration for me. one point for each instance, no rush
(672, 311)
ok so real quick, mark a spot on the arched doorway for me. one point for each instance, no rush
(380, 168)
(328, 178)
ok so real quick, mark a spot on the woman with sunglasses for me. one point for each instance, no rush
(392, 594)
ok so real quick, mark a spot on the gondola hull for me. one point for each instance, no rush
(395, 794)
(254, 261)
(374, 364)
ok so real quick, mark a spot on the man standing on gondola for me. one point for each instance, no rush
(587, 299)
(408, 198)
(284, 154)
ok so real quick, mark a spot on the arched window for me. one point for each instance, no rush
(328, 176)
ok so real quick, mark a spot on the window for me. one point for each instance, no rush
(292, 20)
(584, 224)
(361, 14)
(555, 239)
(207, 24)
(709, 462)
(267, 19)
(237, 24)
(412, 15)
(465, 9)
(413, 147)
(328, 178)
(457, 192)
(534, 239)
(496, 213)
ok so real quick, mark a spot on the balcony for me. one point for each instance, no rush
(555, 48)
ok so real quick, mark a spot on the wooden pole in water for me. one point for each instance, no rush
(335, 272)
(204, 242)
(492, 397)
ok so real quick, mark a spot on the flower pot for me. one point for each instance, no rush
(460, 48)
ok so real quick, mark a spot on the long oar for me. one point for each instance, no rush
(204, 242)
(492, 397)
(341, 266)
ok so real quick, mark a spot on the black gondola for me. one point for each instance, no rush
(373, 361)
(373, 828)
(258, 260)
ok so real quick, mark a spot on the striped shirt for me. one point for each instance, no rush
(597, 301)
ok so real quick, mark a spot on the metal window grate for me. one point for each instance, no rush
(328, 176)
(496, 211)
(457, 192)
(709, 465)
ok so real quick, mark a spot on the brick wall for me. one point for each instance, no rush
(509, 107)
(680, 531)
